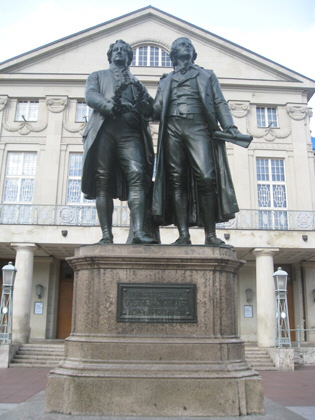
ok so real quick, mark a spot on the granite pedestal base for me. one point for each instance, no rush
(115, 365)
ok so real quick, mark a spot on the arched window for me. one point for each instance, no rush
(149, 55)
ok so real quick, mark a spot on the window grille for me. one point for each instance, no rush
(148, 55)
(272, 195)
(154, 57)
(166, 61)
(83, 112)
(266, 117)
(20, 177)
(74, 194)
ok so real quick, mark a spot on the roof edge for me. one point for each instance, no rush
(166, 14)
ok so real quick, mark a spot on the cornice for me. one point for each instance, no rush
(150, 13)
(40, 77)
(228, 83)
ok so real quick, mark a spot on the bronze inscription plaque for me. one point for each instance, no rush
(156, 302)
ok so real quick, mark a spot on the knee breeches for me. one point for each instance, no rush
(118, 143)
(189, 143)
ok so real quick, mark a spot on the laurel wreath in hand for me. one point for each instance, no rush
(119, 107)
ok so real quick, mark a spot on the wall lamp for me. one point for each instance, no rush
(39, 290)
(249, 295)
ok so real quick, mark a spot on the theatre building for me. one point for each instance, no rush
(44, 217)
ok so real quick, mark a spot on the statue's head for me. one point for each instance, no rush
(127, 48)
(177, 44)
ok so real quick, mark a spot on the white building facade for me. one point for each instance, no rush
(43, 215)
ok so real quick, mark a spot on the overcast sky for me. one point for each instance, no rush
(281, 30)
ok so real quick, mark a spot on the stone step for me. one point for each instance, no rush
(32, 365)
(38, 355)
(49, 355)
(259, 367)
(40, 351)
(36, 361)
(43, 347)
(262, 364)
(258, 358)
(259, 362)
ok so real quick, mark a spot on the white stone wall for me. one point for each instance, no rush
(41, 276)
(247, 325)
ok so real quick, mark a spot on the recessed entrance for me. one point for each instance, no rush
(65, 301)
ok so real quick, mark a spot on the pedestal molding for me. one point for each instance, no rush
(116, 366)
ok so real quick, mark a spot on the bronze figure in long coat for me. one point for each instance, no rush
(188, 97)
(100, 91)
(118, 150)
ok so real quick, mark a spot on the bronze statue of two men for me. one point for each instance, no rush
(193, 185)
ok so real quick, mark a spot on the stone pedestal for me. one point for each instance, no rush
(116, 365)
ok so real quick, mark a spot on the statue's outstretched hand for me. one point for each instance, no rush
(233, 130)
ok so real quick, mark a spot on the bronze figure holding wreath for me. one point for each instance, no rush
(118, 150)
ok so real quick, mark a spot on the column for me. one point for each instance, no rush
(266, 301)
(22, 294)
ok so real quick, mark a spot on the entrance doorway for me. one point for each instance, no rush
(65, 301)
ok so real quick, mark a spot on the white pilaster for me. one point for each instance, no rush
(22, 294)
(266, 302)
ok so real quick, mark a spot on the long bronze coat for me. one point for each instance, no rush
(100, 90)
(217, 112)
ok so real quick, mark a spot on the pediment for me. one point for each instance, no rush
(84, 52)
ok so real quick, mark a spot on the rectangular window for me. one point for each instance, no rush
(266, 117)
(272, 196)
(154, 56)
(134, 58)
(166, 61)
(20, 177)
(27, 110)
(83, 112)
(74, 194)
(143, 56)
